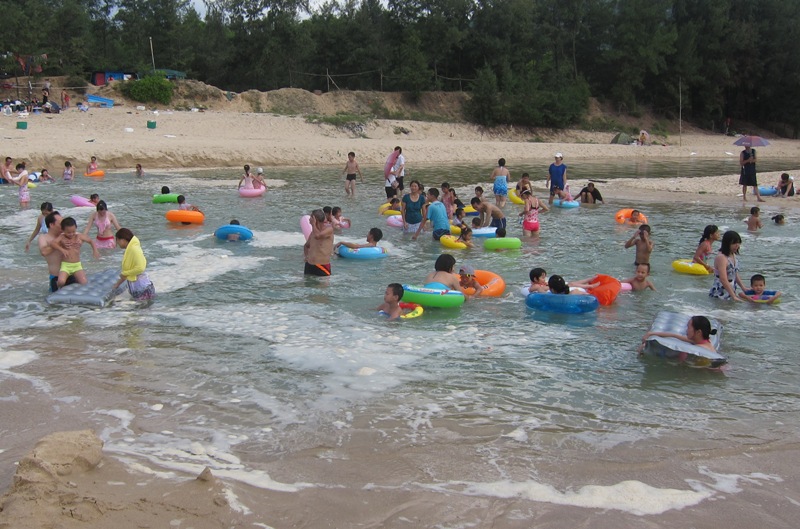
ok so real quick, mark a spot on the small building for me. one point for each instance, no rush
(103, 77)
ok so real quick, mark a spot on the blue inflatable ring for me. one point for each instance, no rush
(564, 303)
(233, 229)
(370, 252)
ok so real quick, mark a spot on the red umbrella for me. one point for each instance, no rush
(753, 141)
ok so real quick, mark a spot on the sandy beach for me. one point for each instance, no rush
(66, 481)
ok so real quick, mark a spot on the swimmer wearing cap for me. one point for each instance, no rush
(557, 177)
(258, 180)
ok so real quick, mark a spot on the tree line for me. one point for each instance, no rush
(528, 62)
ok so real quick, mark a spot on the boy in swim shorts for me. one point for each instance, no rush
(69, 244)
(644, 245)
(351, 169)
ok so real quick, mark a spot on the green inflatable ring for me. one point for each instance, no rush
(165, 198)
(503, 243)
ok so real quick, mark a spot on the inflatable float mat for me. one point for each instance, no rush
(97, 292)
(678, 350)
(166, 198)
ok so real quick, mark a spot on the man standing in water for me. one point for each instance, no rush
(50, 254)
(319, 246)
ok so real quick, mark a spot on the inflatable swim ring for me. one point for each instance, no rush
(450, 241)
(768, 191)
(470, 211)
(484, 232)
(626, 287)
(345, 224)
(513, 196)
(566, 204)
(563, 303)
(503, 243)
(181, 215)
(165, 198)
(233, 229)
(305, 225)
(415, 310)
(372, 252)
(98, 290)
(81, 202)
(608, 290)
(455, 230)
(431, 296)
(250, 193)
(493, 285)
(678, 350)
(96, 174)
(624, 215)
(395, 221)
(31, 185)
(391, 212)
(764, 297)
(687, 266)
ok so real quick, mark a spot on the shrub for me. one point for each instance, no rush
(151, 89)
(76, 83)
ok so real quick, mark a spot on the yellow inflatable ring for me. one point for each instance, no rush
(415, 310)
(455, 230)
(493, 285)
(450, 241)
(513, 196)
(687, 266)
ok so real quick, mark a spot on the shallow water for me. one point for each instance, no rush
(267, 377)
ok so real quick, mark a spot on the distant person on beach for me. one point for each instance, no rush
(437, 214)
(319, 246)
(246, 181)
(557, 177)
(500, 178)
(399, 171)
(5, 178)
(69, 244)
(351, 171)
(726, 268)
(139, 171)
(391, 301)
(41, 228)
(754, 221)
(698, 332)
(133, 267)
(747, 159)
(640, 282)
(64, 99)
(442, 277)
(185, 206)
(92, 166)
(590, 194)
(373, 237)
(69, 172)
(104, 220)
(710, 234)
(643, 243)
(785, 186)
(489, 214)
(52, 256)
(412, 208)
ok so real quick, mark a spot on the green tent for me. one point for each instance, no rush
(622, 139)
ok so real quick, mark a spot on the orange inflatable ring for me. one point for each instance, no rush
(96, 174)
(180, 215)
(608, 290)
(624, 215)
(493, 285)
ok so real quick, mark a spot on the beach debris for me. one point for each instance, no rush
(128, 129)
(729, 153)
(170, 136)
(693, 154)
(90, 141)
(206, 475)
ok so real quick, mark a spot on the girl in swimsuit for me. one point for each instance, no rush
(710, 234)
(103, 220)
(530, 216)
(500, 176)
(247, 178)
(698, 332)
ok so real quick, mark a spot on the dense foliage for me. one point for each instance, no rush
(527, 61)
(150, 89)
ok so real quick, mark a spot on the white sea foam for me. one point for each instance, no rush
(9, 359)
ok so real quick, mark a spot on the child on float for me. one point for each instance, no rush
(458, 217)
(698, 332)
(538, 278)
(467, 279)
(391, 301)
(758, 284)
(246, 181)
(644, 245)
(133, 267)
(92, 165)
(258, 180)
(558, 285)
(466, 237)
(753, 221)
(443, 278)
(185, 206)
(69, 244)
(165, 190)
(337, 220)
(373, 237)
(46, 208)
(103, 220)
(635, 218)
(94, 198)
(710, 234)
(640, 282)
(233, 236)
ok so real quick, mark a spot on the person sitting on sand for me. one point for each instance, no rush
(785, 186)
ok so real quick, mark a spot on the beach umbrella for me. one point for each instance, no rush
(645, 133)
(753, 141)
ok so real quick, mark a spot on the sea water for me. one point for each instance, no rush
(295, 384)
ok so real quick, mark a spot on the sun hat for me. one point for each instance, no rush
(559, 155)
(260, 170)
(467, 270)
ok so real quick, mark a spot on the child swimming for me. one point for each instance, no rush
(698, 332)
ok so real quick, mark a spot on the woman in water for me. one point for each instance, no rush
(726, 268)
(500, 176)
(103, 220)
(698, 332)
(443, 278)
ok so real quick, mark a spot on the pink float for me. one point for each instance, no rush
(396, 221)
(81, 202)
(305, 225)
(387, 169)
(249, 193)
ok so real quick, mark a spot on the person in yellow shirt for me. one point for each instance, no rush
(133, 267)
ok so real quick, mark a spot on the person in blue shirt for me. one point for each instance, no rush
(437, 214)
(557, 177)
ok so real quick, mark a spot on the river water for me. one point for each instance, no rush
(294, 386)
